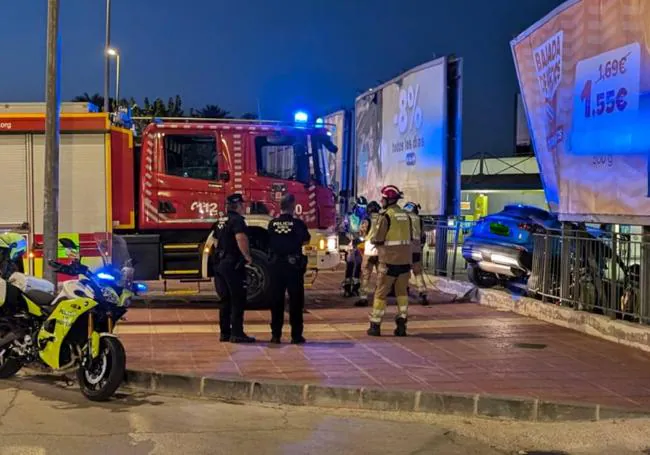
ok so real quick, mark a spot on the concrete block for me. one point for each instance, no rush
(548, 411)
(507, 407)
(277, 392)
(139, 379)
(388, 400)
(333, 397)
(226, 389)
(173, 383)
(448, 403)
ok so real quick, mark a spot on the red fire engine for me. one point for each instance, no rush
(163, 194)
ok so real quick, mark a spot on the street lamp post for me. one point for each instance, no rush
(107, 66)
(114, 53)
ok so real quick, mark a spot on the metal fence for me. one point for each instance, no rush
(442, 253)
(593, 271)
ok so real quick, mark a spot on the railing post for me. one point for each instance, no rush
(565, 266)
(547, 258)
(644, 275)
(453, 260)
(612, 305)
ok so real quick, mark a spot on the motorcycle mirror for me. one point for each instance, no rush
(68, 244)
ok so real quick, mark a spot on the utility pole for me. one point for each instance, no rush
(51, 177)
(107, 62)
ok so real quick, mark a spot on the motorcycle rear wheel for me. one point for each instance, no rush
(8, 367)
(100, 379)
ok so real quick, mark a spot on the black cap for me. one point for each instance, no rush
(235, 198)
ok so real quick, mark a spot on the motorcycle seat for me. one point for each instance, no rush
(40, 298)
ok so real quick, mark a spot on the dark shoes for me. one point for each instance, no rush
(243, 338)
(297, 340)
(224, 337)
(374, 330)
(361, 303)
(423, 299)
(400, 329)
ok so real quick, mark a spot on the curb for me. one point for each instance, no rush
(287, 393)
(621, 332)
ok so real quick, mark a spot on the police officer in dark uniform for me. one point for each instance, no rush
(287, 235)
(231, 256)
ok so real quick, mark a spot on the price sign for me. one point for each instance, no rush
(606, 101)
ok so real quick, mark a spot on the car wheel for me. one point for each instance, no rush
(480, 278)
(258, 282)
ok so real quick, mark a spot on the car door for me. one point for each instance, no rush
(191, 178)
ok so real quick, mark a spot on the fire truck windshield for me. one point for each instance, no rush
(298, 156)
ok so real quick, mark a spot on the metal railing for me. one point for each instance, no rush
(594, 272)
(442, 253)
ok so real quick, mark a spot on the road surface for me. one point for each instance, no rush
(43, 416)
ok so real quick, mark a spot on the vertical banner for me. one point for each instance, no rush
(402, 137)
(336, 126)
(584, 73)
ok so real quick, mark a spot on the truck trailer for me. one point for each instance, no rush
(163, 190)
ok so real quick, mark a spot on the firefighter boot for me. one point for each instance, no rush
(347, 288)
(374, 330)
(400, 327)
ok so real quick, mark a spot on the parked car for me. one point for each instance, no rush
(499, 248)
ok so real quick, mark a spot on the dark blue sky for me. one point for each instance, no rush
(288, 53)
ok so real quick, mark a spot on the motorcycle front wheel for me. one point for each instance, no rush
(101, 378)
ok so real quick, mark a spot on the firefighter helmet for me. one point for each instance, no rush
(391, 192)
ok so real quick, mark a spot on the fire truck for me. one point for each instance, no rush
(163, 190)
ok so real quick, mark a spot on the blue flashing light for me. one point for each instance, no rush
(141, 287)
(319, 121)
(301, 117)
(105, 276)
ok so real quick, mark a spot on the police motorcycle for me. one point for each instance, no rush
(71, 330)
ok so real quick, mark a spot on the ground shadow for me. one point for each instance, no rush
(316, 345)
(65, 393)
(447, 336)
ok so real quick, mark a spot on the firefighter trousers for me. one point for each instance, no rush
(369, 264)
(389, 275)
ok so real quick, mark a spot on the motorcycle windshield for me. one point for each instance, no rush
(113, 250)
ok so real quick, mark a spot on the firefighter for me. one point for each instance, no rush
(393, 241)
(287, 235)
(419, 238)
(231, 255)
(370, 255)
(353, 257)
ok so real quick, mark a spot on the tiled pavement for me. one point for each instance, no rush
(452, 347)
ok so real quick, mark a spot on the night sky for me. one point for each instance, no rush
(288, 53)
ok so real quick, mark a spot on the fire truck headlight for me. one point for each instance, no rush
(331, 244)
(321, 244)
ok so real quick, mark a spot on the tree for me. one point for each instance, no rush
(210, 111)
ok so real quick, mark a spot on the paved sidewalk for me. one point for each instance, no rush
(452, 347)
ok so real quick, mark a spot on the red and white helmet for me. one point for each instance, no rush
(391, 192)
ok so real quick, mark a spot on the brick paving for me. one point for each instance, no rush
(452, 347)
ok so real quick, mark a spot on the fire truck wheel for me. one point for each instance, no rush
(258, 281)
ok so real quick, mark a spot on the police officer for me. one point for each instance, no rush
(370, 253)
(231, 256)
(419, 238)
(393, 241)
(287, 235)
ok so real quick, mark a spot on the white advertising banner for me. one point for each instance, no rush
(584, 73)
(401, 137)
